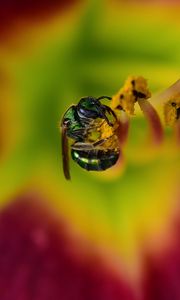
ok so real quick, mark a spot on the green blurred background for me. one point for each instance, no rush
(48, 63)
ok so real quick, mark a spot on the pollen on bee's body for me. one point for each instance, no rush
(106, 131)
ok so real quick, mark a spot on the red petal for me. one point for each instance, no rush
(37, 260)
(162, 280)
(12, 11)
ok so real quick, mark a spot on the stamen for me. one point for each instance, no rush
(135, 90)
(171, 110)
(161, 98)
(153, 120)
(177, 132)
(135, 87)
(123, 128)
(172, 115)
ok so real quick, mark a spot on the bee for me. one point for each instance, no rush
(84, 123)
(101, 154)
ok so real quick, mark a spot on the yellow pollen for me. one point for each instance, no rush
(134, 88)
(171, 110)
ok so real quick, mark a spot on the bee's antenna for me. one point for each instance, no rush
(104, 97)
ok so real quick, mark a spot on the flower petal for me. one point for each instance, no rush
(39, 260)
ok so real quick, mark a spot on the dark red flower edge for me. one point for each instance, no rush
(162, 271)
(14, 11)
(38, 261)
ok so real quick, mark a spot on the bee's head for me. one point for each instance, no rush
(90, 107)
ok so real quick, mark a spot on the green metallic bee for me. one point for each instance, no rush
(79, 123)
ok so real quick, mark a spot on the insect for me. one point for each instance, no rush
(84, 124)
(99, 155)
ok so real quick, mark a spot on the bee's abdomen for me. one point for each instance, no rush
(95, 160)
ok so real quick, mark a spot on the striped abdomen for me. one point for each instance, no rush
(95, 159)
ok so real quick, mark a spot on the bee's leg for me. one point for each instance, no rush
(100, 142)
(88, 146)
(79, 134)
(111, 112)
(82, 146)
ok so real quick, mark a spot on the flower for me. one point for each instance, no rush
(114, 236)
